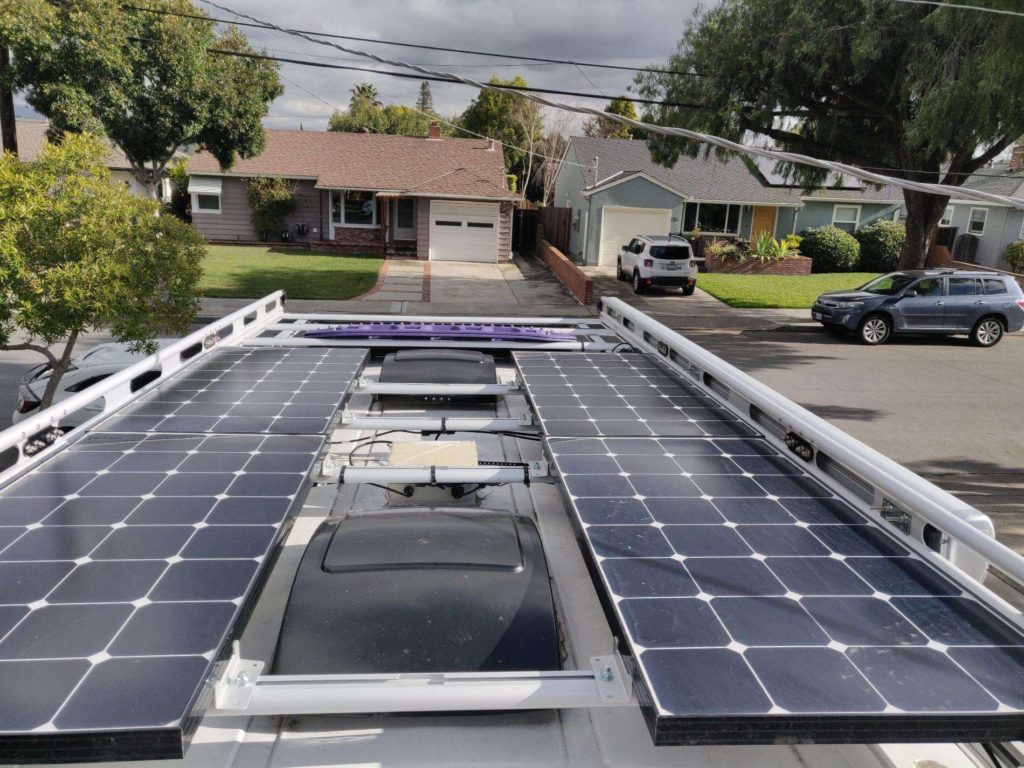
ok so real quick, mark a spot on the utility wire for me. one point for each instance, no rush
(491, 54)
(440, 77)
(685, 133)
(961, 6)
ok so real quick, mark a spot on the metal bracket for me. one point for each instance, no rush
(237, 683)
(613, 683)
(538, 468)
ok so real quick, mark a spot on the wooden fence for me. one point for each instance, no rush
(556, 223)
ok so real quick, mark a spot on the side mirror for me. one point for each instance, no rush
(909, 294)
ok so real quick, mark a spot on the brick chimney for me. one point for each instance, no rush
(1017, 156)
(435, 131)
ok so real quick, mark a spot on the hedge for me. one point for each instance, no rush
(830, 249)
(1014, 255)
(880, 245)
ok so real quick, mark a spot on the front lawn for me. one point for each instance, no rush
(249, 272)
(777, 291)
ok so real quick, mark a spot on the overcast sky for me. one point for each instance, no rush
(633, 33)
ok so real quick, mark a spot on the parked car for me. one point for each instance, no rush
(90, 368)
(984, 305)
(665, 261)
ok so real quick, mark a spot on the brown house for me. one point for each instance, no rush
(440, 198)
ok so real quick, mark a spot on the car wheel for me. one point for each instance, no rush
(638, 286)
(688, 290)
(618, 270)
(987, 332)
(875, 329)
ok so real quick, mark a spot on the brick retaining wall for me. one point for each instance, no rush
(568, 274)
(794, 265)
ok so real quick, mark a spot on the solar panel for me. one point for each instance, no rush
(619, 395)
(244, 391)
(758, 607)
(127, 564)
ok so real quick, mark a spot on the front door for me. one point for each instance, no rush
(764, 221)
(963, 304)
(926, 309)
(404, 215)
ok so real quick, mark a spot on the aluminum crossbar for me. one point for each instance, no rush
(482, 475)
(434, 390)
(435, 423)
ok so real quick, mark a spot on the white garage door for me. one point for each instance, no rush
(620, 225)
(463, 231)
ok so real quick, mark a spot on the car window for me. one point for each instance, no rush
(929, 286)
(962, 286)
(632, 246)
(84, 383)
(994, 287)
(887, 285)
(639, 248)
(670, 252)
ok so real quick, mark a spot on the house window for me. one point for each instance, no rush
(204, 192)
(976, 224)
(353, 208)
(947, 217)
(846, 217)
(206, 203)
(712, 218)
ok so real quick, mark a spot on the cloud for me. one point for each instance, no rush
(637, 33)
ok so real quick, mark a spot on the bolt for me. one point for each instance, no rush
(241, 680)
(606, 673)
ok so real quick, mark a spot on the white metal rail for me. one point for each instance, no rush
(435, 423)
(898, 484)
(434, 390)
(117, 389)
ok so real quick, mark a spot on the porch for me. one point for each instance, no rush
(362, 219)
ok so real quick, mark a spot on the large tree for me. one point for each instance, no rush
(78, 253)
(425, 101)
(366, 113)
(510, 119)
(915, 91)
(146, 80)
(604, 128)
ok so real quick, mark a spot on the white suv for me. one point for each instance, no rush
(658, 260)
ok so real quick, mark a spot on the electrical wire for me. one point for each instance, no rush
(961, 6)
(685, 133)
(262, 25)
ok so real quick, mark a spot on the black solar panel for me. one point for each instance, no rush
(127, 563)
(760, 608)
(612, 395)
(237, 390)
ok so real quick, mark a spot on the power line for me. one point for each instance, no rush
(490, 54)
(440, 77)
(685, 133)
(961, 6)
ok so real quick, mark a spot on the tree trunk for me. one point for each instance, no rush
(923, 214)
(58, 372)
(8, 131)
(149, 178)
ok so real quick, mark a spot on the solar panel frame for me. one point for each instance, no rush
(721, 565)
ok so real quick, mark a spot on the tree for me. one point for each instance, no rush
(915, 91)
(393, 119)
(425, 101)
(146, 80)
(510, 119)
(79, 253)
(365, 93)
(602, 127)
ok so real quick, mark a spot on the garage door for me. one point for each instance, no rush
(463, 231)
(620, 225)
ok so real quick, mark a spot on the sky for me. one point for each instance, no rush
(634, 33)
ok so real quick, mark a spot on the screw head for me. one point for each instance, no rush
(241, 680)
(606, 673)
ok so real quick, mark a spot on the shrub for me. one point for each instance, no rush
(272, 202)
(880, 245)
(830, 249)
(1014, 255)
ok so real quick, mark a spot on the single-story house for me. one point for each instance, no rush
(440, 198)
(616, 191)
(32, 137)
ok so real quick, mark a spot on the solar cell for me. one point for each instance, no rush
(121, 586)
(758, 610)
(246, 391)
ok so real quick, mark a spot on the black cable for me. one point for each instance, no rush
(371, 443)
(491, 54)
(411, 76)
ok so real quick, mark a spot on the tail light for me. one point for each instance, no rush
(1020, 303)
(648, 262)
(26, 406)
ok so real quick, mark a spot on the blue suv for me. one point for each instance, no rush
(984, 305)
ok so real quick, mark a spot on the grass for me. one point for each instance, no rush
(249, 272)
(777, 291)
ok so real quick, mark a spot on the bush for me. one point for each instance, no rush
(1014, 255)
(830, 249)
(880, 246)
(272, 202)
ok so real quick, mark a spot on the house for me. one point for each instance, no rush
(616, 191)
(440, 198)
(979, 231)
(32, 137)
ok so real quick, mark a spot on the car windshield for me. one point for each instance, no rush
(888, 285)
(670, 252)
